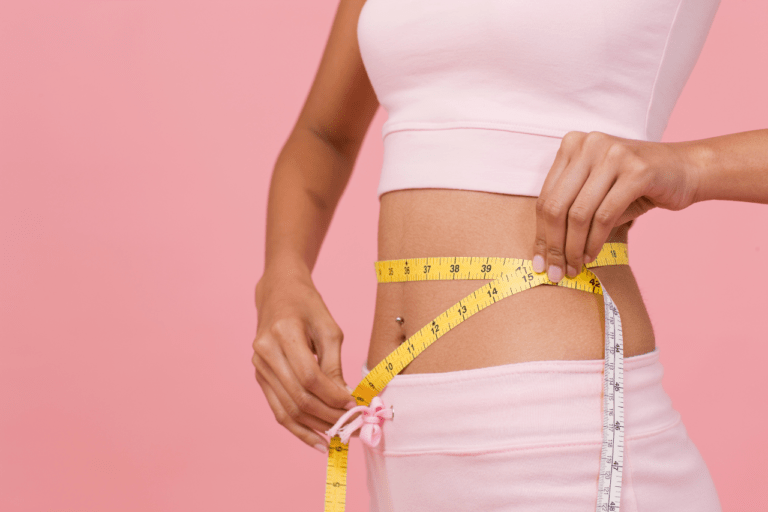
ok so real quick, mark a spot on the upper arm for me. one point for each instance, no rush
(341, 102)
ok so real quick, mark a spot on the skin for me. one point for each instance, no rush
(598, 181)
(597, 185)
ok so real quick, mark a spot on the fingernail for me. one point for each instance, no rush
(350, 389)
(587, 258)
(572, 271)
(538, 264)
(350, 405)
(321, 447)
(555, 273)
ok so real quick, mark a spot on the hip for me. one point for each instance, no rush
(527, 437)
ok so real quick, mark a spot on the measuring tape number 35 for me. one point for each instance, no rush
(510, 276)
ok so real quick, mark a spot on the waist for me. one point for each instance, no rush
(543, 323)
(423, 222)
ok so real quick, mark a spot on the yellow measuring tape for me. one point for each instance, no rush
(511, 276)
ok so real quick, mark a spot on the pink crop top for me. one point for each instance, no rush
(480, 93)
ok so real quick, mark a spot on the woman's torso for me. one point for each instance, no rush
(478, 96)
(543, 323)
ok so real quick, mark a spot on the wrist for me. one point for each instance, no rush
(288, 262)
(282, 267)
(699, 156)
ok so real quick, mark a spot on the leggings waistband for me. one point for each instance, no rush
(518, 405)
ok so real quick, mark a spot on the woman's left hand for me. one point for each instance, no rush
(599, 181)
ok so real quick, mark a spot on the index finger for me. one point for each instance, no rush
(562, 158)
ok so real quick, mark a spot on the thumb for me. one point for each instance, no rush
(637, 208)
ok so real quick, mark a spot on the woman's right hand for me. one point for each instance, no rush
(306, 394)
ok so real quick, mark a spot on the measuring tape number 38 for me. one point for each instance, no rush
(510, 276)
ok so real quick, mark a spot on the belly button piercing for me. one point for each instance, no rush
(399, 320)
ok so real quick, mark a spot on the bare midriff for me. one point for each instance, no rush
(543, 323)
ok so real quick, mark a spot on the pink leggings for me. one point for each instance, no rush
(527, 437)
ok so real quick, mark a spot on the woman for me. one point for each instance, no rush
(524, 130)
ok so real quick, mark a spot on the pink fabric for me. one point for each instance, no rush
(527, 437)
(369, 422)
(479, 93)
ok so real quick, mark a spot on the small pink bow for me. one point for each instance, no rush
(370, 420)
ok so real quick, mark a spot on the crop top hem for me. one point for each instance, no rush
(487, 160)
(485, 125)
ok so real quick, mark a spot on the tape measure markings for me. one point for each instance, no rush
(510, 276)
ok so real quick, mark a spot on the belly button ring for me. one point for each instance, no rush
(399, 320)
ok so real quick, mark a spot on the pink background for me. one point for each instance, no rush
(137, 141)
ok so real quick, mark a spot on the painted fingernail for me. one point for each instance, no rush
(587, 258)
(321, 447)
(350, 405)
(555, 273)
(538, 264)
(572, 271)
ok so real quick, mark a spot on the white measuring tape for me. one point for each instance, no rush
(612, 452)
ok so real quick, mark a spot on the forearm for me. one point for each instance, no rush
(731, 167)
(307, 182)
